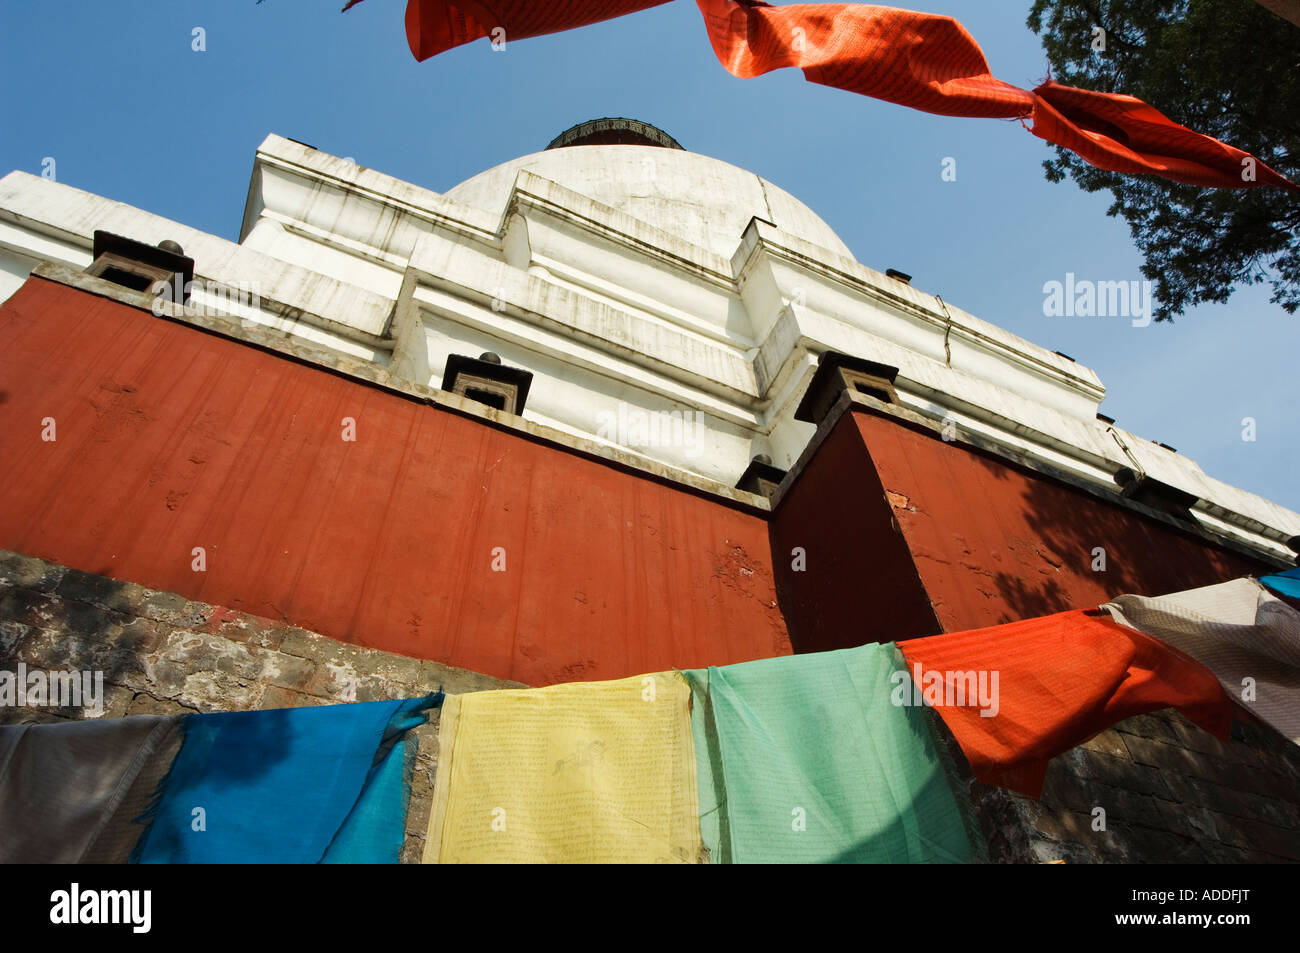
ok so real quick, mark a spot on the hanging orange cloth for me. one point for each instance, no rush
(1058, 681)
(913, 59)
(932, 63)
(1124, 134)
(921, 60)
(435, 26)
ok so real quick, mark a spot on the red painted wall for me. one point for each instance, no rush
(170, 438)
(995, 542)
(908, 535)
(858, 583)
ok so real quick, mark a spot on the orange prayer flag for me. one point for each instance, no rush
(922, 60)
(932, 63)
(1058, 681)
(1124, 134)
(913, 59)
(435, 26)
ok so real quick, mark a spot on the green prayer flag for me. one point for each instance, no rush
(807, 759)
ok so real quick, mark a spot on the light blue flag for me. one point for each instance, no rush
(1284, 583)
(295, 785)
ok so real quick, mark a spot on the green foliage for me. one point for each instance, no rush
(1226, 68)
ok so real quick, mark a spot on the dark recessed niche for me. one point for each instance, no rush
(127, 279)
(495, 401)
(876, 392)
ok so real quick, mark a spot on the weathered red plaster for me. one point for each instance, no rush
(995, 542)
(908, 535)
(858, 583)
(170, 438)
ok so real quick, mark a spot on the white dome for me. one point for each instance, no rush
(705, 201)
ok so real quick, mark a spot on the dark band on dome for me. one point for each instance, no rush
(614, 132)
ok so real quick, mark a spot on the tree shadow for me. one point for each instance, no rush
(1061, 547)
(83, 622)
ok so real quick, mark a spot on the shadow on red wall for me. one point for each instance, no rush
(918, 535)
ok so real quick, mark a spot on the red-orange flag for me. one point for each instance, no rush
(1124, 134)
(435, 26)
(932, 63)
(914, 59)
(1060, 679)
(921, 60)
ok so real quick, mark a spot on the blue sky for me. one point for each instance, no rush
(115, 94)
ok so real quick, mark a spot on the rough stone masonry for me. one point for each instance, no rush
(1170, 791)
(162, 653)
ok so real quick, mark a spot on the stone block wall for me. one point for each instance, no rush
(1170, 791)
(162, 654)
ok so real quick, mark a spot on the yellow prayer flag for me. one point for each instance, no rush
(585, 772)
